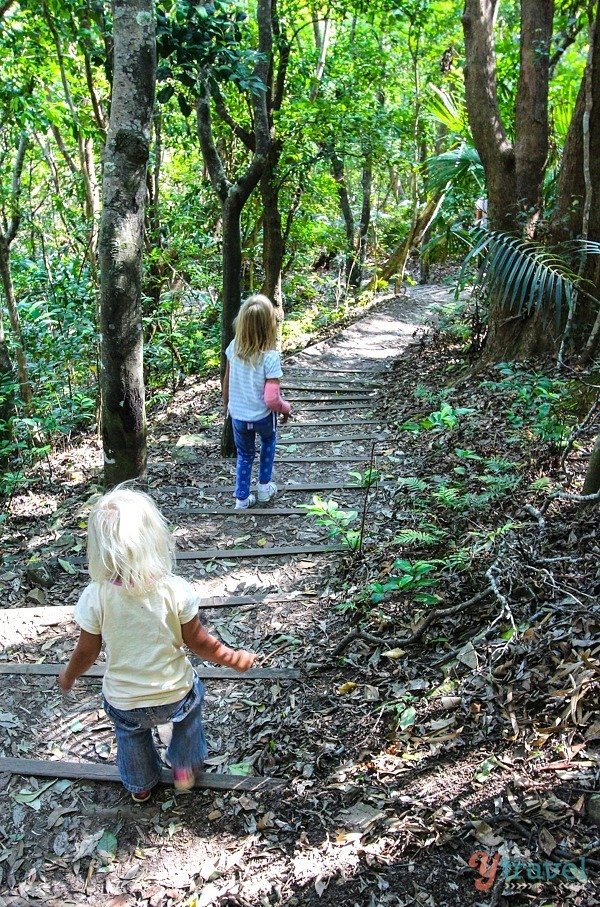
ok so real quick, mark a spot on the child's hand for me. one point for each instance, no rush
(243, 660)
(285, 417)
(64, 683)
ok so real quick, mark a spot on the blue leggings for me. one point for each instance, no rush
(244, 434)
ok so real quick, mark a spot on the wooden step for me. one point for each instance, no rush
(50, 669)
(213, 554)
(91, 771)
(348, 423)
(284, 489)
(358, 389)
(328, 439)
(245, 511)
(327, 408)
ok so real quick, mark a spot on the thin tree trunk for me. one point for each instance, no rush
(15, 324)
(337, 168)
(396, 263)
(121, 241)
(8, 232)
(233, 196)
(273, 239)
(365, 220)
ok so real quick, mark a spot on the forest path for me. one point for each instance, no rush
(333, 386)
(270, 727)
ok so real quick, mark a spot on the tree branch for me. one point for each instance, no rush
(244, 135)
(434, 615)
(15, 209)
(214, 164)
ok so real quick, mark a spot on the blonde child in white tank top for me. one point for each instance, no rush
(144, 615)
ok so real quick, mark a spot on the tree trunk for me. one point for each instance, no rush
(7, 401)
(531, 115)
(591, 484)
(234, 195)
(121, 241)
(15, 324)
(363, 227)
(495, 150)
(396, 263)
(273, 239)
(232, 275)
(513, 175)
(337, 169)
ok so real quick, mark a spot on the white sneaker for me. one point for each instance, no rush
(266, 492)
(243, 505)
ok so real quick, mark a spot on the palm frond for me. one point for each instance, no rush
(450, 113)
(460, 166)
(527, 276)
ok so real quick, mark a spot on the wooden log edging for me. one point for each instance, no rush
(212, 554)
(92, 771)
(51, 669)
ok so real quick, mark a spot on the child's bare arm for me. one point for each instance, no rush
(84, 655)
(206, 646)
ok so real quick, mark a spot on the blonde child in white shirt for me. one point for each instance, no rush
(144, 614)
(251, 393)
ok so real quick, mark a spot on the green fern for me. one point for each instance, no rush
(449, 497)
(426, 535)
(412, 484)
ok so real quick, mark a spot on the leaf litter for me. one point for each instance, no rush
(421, 742)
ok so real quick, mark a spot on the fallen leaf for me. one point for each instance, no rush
(321, 884)
(346, 687)
(394, 653)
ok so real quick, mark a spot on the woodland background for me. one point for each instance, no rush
(302, 149)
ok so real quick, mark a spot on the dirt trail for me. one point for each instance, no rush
(81, 843)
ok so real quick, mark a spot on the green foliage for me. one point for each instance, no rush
(409, 576)
(427, 534)
(367, 478)
(336, 520)
(446, 418)
(526, 276)
(537, 406)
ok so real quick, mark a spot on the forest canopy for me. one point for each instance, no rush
(305, 150)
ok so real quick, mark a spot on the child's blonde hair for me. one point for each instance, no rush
(255, 328)
(129, 541)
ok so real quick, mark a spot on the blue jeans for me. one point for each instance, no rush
(244, 434)
(137, 758)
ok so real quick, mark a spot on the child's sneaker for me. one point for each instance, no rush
(142, 796)
(266, 491)
(183, 778)
(249, 502)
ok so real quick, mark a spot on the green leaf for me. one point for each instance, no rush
(240, 768)
(107, 846)
(407, 718)
(29, 797)
(67, 566)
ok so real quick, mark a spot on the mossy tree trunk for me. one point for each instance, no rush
(121, 241)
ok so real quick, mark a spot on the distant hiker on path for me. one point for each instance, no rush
(144, 614)
(481, 213)
(251, 393)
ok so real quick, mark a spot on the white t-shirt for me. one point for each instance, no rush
(145, 664)
(481, 211)
(247, 384)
